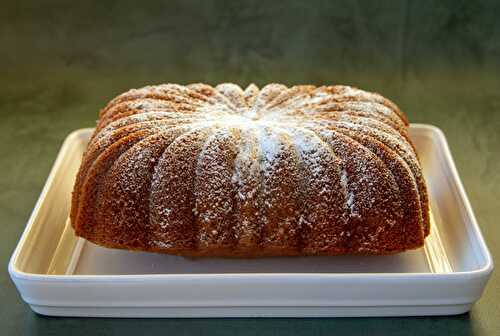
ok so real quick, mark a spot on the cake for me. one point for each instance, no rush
(198, 170)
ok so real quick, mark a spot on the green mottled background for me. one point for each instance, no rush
(61, 61)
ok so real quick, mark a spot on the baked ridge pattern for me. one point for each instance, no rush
(198, 170)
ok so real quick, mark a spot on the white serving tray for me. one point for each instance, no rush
(57, 273)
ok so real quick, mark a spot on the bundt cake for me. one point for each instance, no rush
(198, 170)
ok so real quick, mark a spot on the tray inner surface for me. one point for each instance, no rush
(71, 255)
(79, 257)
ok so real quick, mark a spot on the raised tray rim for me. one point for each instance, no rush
(481, 273)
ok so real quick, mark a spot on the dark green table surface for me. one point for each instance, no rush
(61, 61)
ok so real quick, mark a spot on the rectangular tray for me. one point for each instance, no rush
(58, 273)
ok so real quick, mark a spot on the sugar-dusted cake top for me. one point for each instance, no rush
(303, 168)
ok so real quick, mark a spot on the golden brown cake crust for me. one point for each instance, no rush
(198, 170)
